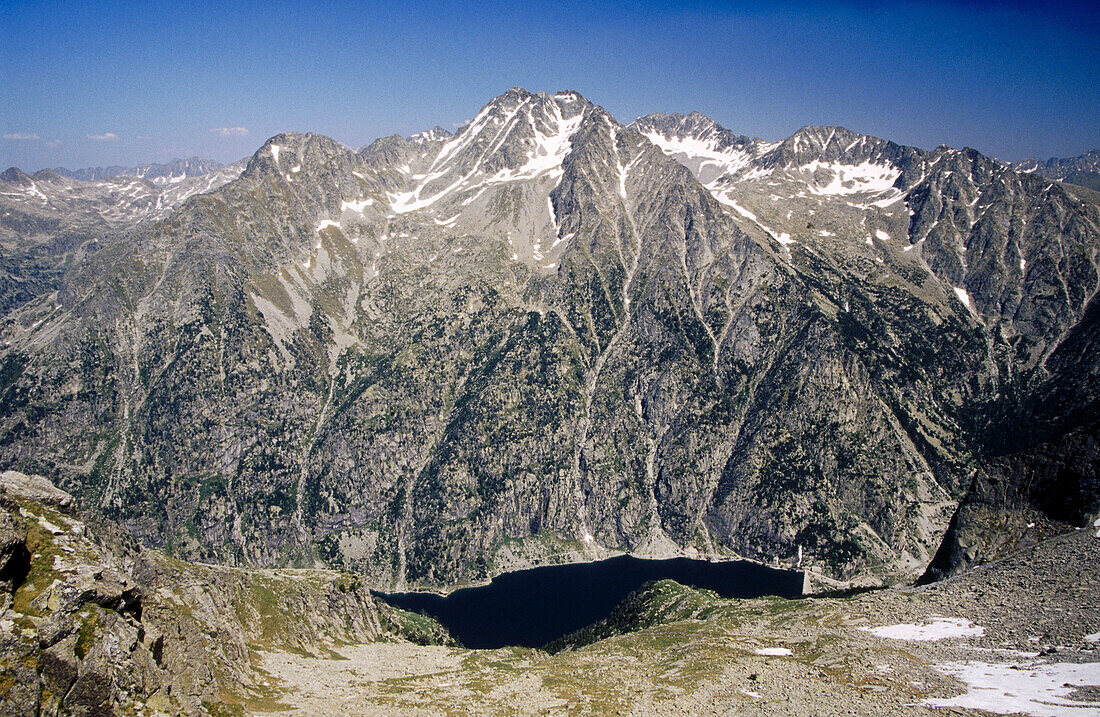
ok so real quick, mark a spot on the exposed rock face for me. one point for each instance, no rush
(548, 335)
(1018, 499)
(91, 626)
(1041, 475)
(18, 486)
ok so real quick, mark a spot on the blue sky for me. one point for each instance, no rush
(91, 83)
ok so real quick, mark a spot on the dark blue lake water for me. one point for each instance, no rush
(533, 607)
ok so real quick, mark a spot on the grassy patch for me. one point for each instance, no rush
(417, 628)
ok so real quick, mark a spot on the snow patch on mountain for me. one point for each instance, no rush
(836, 178)
(1035, 689)
(940, 628)
(702, 156)
(548, 153)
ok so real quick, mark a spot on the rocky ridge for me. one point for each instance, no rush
(1083, 170)
(92, 624)
(50, 222)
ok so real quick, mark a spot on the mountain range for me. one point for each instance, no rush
(172, 172)
(1083, 170)
(553, 337)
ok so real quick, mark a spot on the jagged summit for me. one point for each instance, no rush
(517, 136)
(694, 125)
(48, 175)
(435, 134)
(289, 153)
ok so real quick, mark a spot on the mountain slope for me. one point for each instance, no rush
(1020, 256)
(551, 337)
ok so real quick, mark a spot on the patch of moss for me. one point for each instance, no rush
(6, 683)
(223, 709)
(86, 637)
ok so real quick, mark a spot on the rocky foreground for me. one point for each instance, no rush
(91, 624)
(94, 625)
(1016, 637)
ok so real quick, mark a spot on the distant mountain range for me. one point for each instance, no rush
(550, 336)
(168, 173)
(1083, 170)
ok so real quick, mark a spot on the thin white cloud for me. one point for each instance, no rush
(105, 137)
(53, 143)
(20, 135)
(229, 131)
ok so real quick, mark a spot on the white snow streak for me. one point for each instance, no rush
(623, 171)
(544, 158)
(549, 151)
(560, 239)
(699, 154)
(356, 206)
(782, 237)
(741, 210)
(883, 203)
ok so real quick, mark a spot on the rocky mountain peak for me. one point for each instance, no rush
(833, 145)
(435, 134)
(290, 153)
(517, 136)
(695, 126)
(48, 175)
(15, 175)
(705, 147)
(1083, 170)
